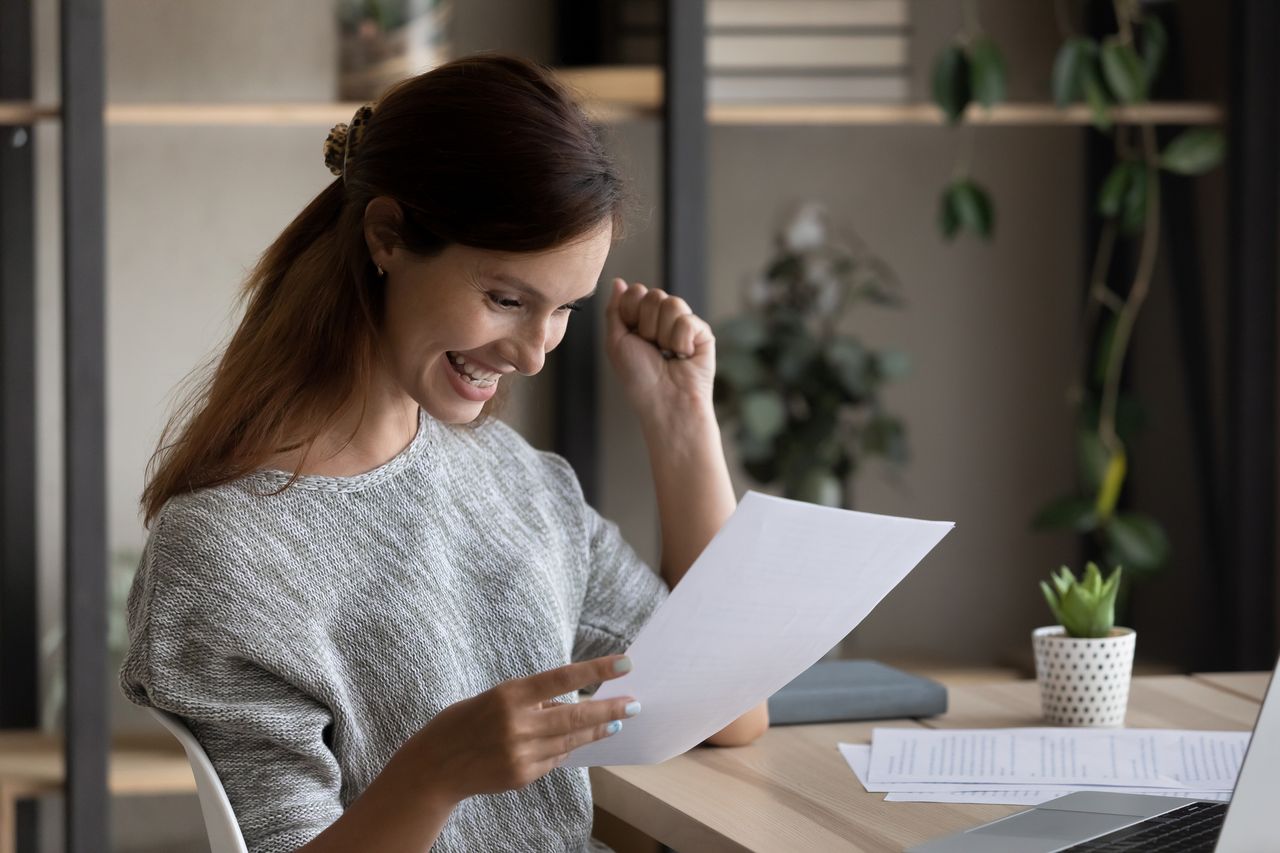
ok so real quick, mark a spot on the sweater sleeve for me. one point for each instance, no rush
(196, 651)
(622, 592)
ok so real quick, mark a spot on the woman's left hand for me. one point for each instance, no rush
(663, 353)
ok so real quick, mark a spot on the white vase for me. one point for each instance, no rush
(1083, 682)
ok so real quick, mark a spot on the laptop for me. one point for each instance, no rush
(1098, 822)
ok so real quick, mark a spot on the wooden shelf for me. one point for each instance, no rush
(22, 112)
(621, 93)
(1008, 115)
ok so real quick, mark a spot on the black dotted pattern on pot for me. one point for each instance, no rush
(1084, 682)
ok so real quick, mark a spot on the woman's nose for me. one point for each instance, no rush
(531, 348)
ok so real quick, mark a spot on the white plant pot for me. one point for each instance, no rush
(1083, 682)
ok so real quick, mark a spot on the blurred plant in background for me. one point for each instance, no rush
(805, 396)
(1117, 71)
(381, 42)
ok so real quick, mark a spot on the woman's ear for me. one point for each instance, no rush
(382, 218)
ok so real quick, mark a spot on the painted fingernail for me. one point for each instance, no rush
(632, 709)
(622, 665)
(614, 727)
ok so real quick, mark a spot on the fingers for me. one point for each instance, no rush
(537, 689)
(664, 320)
(591, 714)
(615, 328)
(557, 747)
(629, 304)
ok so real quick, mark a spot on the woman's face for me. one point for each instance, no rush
(462, 321)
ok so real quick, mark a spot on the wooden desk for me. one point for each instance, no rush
(31, 766)
(791, 790)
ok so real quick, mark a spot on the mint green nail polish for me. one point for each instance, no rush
(632, 709)
(622, 665)
(614, 727)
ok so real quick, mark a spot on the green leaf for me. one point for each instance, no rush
(1092, 578)
(886, 436)
(1073, 62)
(1155, 45)
(1112, 586)
(745, 331)
(848, 360)
(1112, 483)
(1077, 612)
(1112, 194)
(986, 71)
(892, 364)
(1052, 600)
(951, 82)
(1099, 102)
(818, 487)
(948, 216)
(1137, 541)
(1123, 71)
(796, 353)
(1194, 151)
(740, 370)
(763, 414)
(762, 468)
(1069, 513)
(1133, 214)
(1091, 455)
(973, 207)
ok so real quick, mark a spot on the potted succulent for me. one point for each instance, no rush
(1084, 663)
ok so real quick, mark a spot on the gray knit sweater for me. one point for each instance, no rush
(304, 637)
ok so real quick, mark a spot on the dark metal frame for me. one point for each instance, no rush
(84, 253)
(1253, 275)
(19, 705)
(84, 387)
(684, 205)
(19, 591)
(685, 154)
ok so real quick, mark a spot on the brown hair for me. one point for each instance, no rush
(487, 151)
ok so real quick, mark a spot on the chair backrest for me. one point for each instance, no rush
(219, 819)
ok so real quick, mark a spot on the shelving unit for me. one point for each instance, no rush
(623, 93)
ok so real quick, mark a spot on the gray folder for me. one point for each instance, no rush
(832, 691)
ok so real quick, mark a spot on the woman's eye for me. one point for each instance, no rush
(504, 302)
(572, 306)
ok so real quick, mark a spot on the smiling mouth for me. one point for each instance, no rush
(471, 373)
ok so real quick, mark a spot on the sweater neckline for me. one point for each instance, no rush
(358, 482)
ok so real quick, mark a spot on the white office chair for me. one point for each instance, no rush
(219, 819)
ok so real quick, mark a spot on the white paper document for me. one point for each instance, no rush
(1039, 757)
(858, 757)
(779, 585)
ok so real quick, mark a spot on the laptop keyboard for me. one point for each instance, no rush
(1189, 829)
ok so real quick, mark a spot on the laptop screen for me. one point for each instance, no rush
(1251, 822)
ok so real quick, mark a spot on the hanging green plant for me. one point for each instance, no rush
(969, 69)
(1118, 70)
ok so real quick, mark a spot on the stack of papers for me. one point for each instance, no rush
(1033, 765)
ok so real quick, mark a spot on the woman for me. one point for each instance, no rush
(361, 592)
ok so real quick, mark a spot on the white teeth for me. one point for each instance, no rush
(475, 375)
